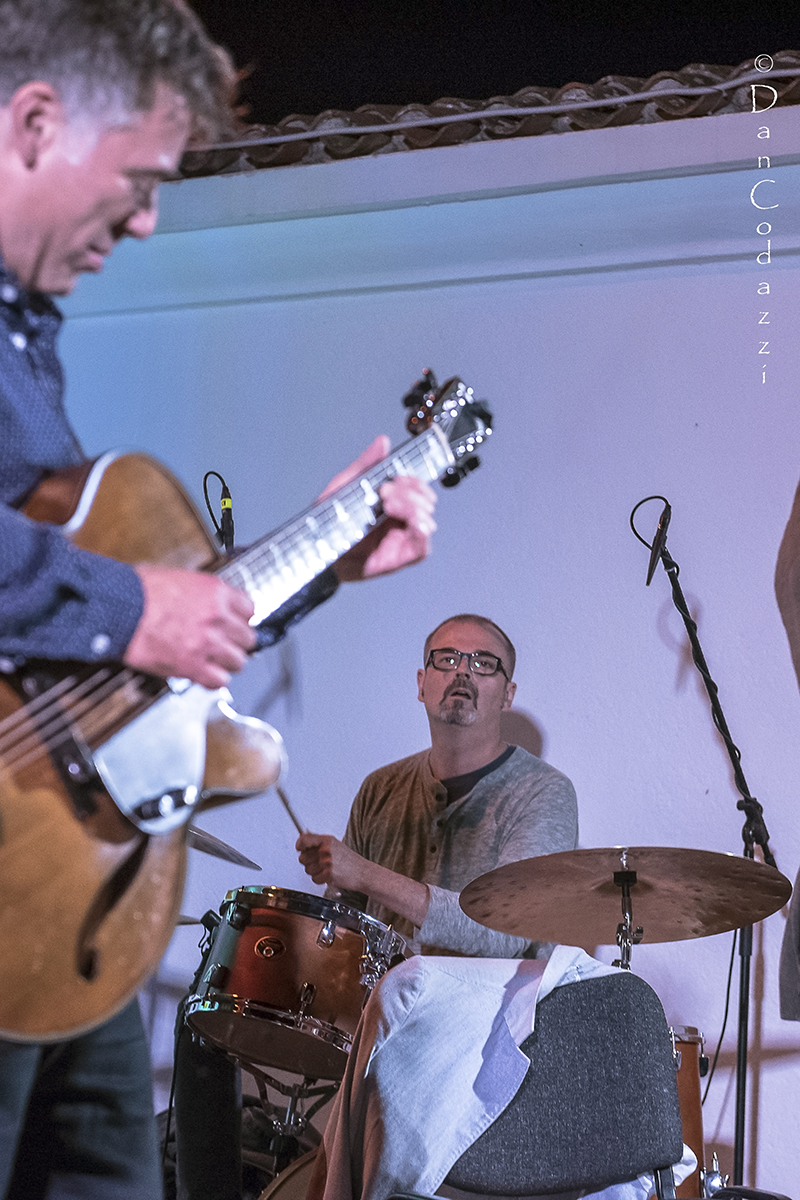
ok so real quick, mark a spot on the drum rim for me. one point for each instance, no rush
(307, 904)
(240, 1006)
(688, 1034)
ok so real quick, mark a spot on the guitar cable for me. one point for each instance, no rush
(224, 527)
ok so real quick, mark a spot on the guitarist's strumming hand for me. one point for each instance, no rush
(194, 626)
(401, 540)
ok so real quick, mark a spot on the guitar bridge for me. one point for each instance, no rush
(165, 805)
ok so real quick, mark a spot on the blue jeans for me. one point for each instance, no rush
(76, 1117)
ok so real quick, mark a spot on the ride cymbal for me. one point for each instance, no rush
(572, 897)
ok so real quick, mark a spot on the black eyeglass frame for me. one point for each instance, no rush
(470, 657)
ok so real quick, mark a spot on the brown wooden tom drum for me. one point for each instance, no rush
(688, 1044)
(286, 977)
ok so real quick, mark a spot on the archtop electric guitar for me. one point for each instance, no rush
(101, 766)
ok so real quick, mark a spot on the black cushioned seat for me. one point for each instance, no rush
(599, 1103)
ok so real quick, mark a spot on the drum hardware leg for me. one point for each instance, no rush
(712, 1181)
(665, 1184)
(627, 935)
(294, 1120)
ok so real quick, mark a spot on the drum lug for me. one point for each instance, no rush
(327, 934)
(238, 916)
(307, 994)
(371, 971)
(218, 976)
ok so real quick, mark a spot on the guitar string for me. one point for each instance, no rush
(20, 744)
(323, 512)
(280, 544)
(59, 721)
(54, 726)
(18, 724)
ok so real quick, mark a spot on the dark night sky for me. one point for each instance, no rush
(309, 55)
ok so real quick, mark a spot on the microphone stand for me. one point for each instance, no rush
(754, 831)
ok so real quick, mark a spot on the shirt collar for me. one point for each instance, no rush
(31, 306)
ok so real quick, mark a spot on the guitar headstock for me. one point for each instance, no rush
(464, 421)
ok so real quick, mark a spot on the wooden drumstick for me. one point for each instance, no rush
(284, 799)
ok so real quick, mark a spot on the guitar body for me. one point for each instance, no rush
(88, 901)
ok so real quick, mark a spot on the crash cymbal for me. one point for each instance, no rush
(572, 897)
(198, 839)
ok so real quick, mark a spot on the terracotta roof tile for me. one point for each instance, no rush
(697, 90)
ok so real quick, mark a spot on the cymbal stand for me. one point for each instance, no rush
(754, 831)
(627, 935)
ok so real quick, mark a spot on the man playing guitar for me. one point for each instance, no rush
(97, 103)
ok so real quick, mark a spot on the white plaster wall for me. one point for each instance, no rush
(600, 289)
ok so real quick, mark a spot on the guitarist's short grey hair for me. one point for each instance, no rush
(106, 57)
(510, 655)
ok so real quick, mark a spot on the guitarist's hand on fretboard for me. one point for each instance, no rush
(194, 626)
(405, 537)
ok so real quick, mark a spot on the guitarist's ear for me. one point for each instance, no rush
(37, 117)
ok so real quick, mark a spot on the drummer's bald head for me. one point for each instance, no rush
(509, 655)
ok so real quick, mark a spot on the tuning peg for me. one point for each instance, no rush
(455, 474)
(421, 389)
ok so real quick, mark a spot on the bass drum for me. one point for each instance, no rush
(292, 1183)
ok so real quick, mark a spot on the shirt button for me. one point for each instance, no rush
(100, 644)
(433, 849)
(8, 293)
(19, 340)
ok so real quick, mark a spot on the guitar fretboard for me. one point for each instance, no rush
(278, 565)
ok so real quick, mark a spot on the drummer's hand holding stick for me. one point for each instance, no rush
(327, 860)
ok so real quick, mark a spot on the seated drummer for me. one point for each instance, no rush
(420, 829)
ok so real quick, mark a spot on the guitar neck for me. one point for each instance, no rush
(278, 565)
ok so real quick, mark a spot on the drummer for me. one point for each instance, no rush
(420, 829)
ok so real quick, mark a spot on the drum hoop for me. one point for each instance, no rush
(688, 1034)
(305, 904)
(256, 1010)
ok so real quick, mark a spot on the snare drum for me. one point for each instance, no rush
(286, 977)
(688, 1046)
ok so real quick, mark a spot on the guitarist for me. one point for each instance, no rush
(97, 103)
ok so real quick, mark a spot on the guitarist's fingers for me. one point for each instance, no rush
(410, 500)
(401, 540)
(373, 454)
(194, 626)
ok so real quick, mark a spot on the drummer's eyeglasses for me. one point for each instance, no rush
(479, 662)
